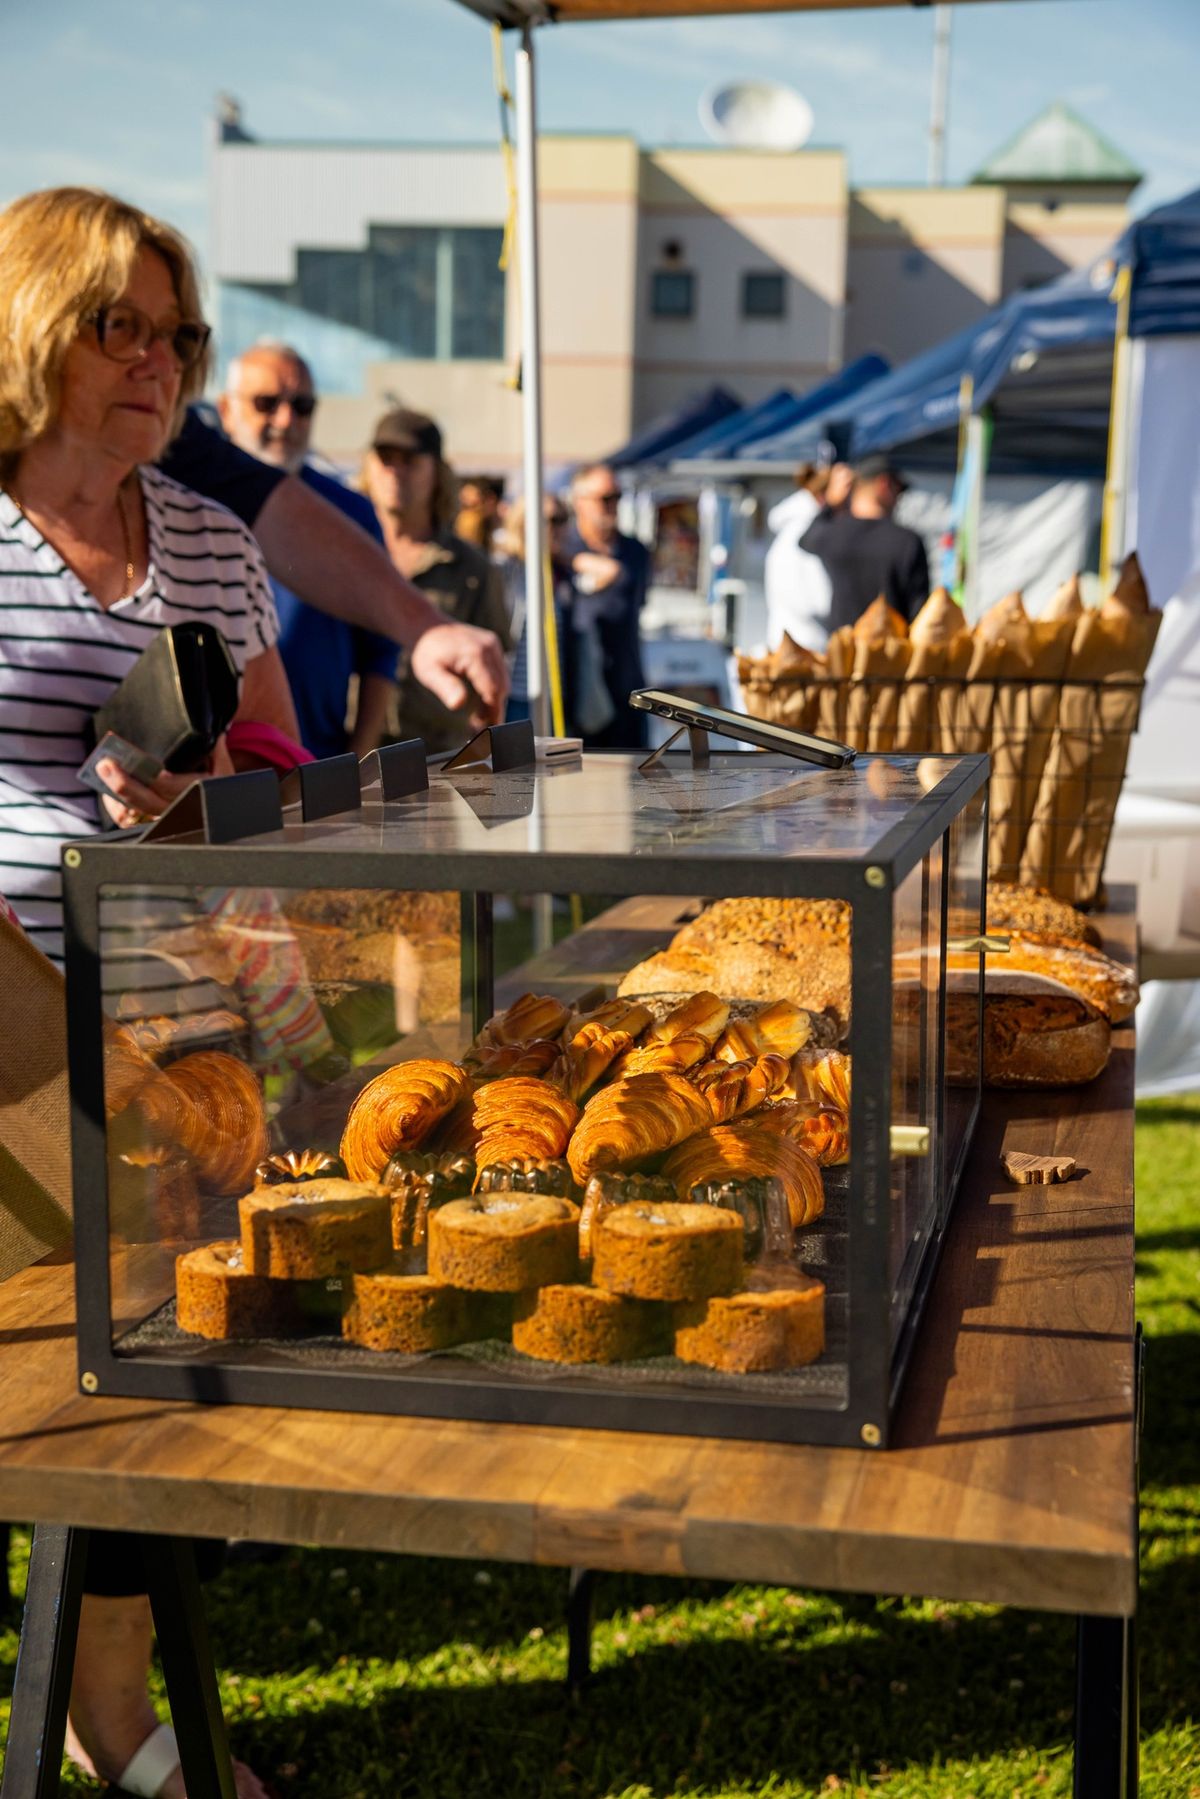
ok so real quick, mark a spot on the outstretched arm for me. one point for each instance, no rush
(334, 566)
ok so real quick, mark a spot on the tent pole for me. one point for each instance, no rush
(531, 377)
(1120, 421)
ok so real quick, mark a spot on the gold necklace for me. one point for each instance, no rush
(127, 540)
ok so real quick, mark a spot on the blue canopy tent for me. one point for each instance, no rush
(799, 437)
(656, 443)
(727, 436)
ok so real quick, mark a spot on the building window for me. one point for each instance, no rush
(673, 294)
(435, 293)
(763, 296)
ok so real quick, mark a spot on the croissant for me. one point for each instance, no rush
(701, 1014)
(663, 1058)
(732, 1088)
(533, 1058)
(522, 1119)
(732, 1151)
(778, 1029)
(820, 1074)
(634, 1119)
(595, 1044)
(211, 1106)
(398, 1110)
(823, 1130)
(530, 1016)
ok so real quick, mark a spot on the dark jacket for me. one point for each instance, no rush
(468, 588)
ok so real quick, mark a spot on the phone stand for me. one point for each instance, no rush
(697, 742)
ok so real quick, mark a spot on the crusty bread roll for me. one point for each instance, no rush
(1066, 601)
(1003, 619)
(939, 621)
(1130, 594)
(880, 620)
(1036, 1032)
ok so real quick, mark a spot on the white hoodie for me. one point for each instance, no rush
(797, 586)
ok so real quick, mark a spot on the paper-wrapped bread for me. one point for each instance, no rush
(1066, 601)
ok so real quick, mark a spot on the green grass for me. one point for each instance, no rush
(362, 1677)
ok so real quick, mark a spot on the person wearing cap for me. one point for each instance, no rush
(864, 550)
(413, 491)
(267, 409)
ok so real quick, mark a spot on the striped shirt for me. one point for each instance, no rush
(62, 655)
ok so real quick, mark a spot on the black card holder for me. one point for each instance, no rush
(177, 699)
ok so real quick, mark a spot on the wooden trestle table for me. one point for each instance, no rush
(1013, 1480)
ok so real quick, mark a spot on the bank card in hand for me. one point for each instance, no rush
(112, 748)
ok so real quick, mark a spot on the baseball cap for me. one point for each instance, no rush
(872, 467)
(403, 429)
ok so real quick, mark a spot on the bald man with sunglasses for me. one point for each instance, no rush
(267, 410)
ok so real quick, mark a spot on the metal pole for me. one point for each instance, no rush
(1120, 433)
(531, 379)
(940, 100)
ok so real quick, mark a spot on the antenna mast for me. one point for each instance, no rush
(939, 102)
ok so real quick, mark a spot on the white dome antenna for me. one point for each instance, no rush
(757, 115)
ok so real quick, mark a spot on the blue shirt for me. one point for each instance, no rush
(321, 653)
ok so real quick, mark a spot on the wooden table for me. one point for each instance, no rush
(1014, 1480)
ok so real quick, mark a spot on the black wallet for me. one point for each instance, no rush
(177, 699)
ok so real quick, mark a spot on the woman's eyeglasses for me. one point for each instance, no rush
(124, 333)
(303, 405)
(556, 518)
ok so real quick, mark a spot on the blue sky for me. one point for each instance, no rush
(118, 94)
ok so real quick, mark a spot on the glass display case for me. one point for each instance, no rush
(590, 1093)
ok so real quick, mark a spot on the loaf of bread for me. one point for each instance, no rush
(815, 979)
(1107, 985)
(1013, 908)
(1036, 1033)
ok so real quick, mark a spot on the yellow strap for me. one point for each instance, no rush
(553, 665)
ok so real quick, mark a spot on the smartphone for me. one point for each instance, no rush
(112, 748)
(821, 750)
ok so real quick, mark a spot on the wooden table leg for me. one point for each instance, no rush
(45, 1663)
(1105, 1709)
(581, 1593)
(191, 1680)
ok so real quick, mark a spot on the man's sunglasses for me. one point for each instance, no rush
(303, 405)
(611, 498)
(556, 518)
(124, 333)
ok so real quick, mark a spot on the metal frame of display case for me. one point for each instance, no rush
(876, 1358)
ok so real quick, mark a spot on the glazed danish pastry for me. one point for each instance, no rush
(397, 1111)
(595, 1044)
(732, 1088)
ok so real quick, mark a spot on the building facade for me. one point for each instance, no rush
(663, 272)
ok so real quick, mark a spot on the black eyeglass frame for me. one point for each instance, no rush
(98, 320)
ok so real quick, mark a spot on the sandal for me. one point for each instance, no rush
(151, 1766)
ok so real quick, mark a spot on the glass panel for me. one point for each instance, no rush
(247, 1026)
(916, 1166)
(332, 283)
(740, 808)
(403, 261)
(672, 294)
(966, 921)
(478, 303)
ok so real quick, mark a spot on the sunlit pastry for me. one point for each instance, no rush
(751, 1333)
(305, 1230)
(216, 1296)
(668, 1251)
(586, 1324)
(504, 1242)
(634, 1119)
(730, 1151)
(211, 1106)
(391, 1309)
(397, 1111)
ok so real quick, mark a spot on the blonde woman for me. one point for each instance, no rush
(104, 346)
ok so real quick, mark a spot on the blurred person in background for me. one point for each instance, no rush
(99, 552)
(797, 585)
(480, 511)
(510, 547)
(267, 409)
(864, 550)
(413, 491)
(611, 573)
